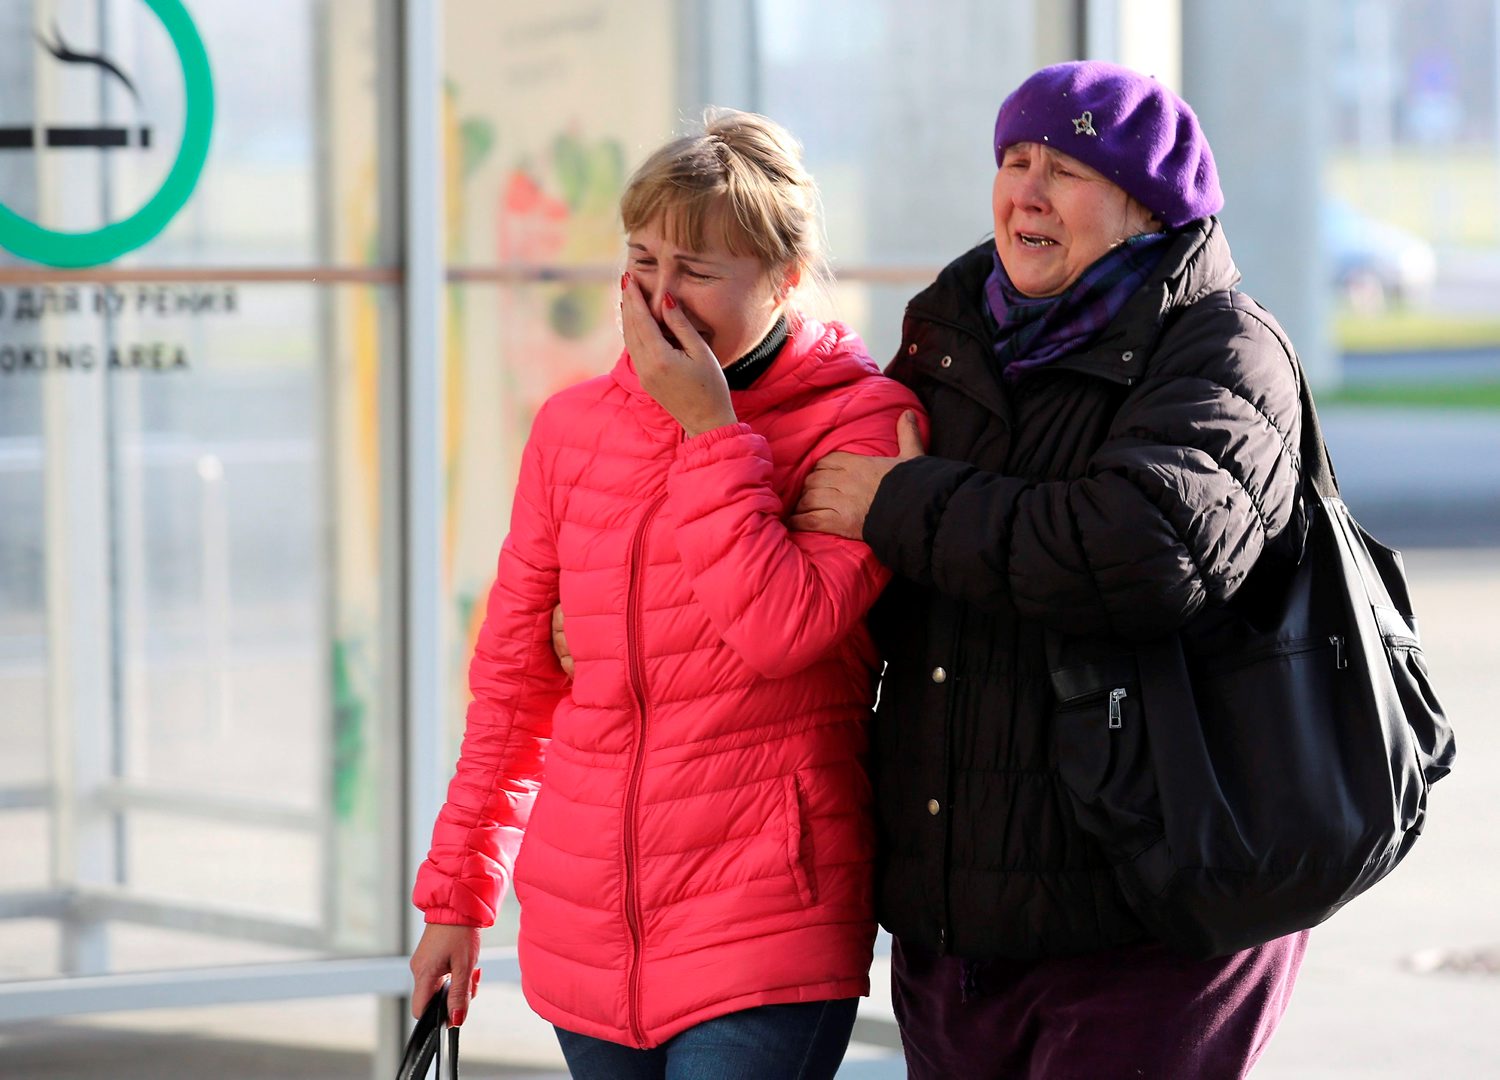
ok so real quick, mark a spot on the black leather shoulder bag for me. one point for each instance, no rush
(1251, 775)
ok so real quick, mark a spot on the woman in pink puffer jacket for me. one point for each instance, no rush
(695, 877)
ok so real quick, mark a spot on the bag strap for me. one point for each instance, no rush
(1317, 466)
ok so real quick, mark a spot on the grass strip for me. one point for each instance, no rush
(1474, 395)
(1413, 331)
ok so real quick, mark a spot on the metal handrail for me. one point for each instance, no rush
(205, 806)
(484, 273)
(35, 999)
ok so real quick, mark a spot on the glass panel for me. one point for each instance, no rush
(209, 527)
(1410, 220)
(23, 597)
(26, 864)
(196, 670)
(290, 110)
(507, 356)
(902, 160)
(222, 501)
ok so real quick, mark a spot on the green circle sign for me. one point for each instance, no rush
(75, 249)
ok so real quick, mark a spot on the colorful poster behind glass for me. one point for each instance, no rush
(550, 107)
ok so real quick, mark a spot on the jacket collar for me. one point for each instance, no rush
(1196, 264)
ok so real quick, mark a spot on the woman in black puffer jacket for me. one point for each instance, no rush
(1114, 445)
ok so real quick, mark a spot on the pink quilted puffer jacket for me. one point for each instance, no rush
(696, 813)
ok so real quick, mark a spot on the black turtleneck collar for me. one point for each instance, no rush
(744, 371)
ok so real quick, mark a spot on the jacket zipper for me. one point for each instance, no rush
(1116, 718)
(1295, 647)
(638, 762)
(1291, 648)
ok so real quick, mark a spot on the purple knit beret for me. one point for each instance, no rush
(1126, 125)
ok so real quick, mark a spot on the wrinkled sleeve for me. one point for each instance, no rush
(516, 682)
(780, 599)
(1198, 471)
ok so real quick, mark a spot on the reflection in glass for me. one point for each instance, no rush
(209, 537)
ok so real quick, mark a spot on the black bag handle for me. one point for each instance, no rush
(1316, 482)
(424, 1046)
(1316, 466)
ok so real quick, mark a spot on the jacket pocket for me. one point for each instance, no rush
(798, 841)
(1104, 761)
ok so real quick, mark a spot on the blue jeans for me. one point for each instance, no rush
(773, 1042)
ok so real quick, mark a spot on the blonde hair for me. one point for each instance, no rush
(743, 178)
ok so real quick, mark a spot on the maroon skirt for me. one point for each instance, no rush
(1141, 1011)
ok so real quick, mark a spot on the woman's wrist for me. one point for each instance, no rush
(703, 426)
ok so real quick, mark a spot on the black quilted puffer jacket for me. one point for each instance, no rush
(1122, 492)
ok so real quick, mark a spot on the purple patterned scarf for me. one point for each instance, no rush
(1032, 331)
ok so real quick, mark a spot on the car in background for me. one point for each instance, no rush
(1375, 264)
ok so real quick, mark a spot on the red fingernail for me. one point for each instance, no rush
(624, 280)
(457, 1018)
(667, 301)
